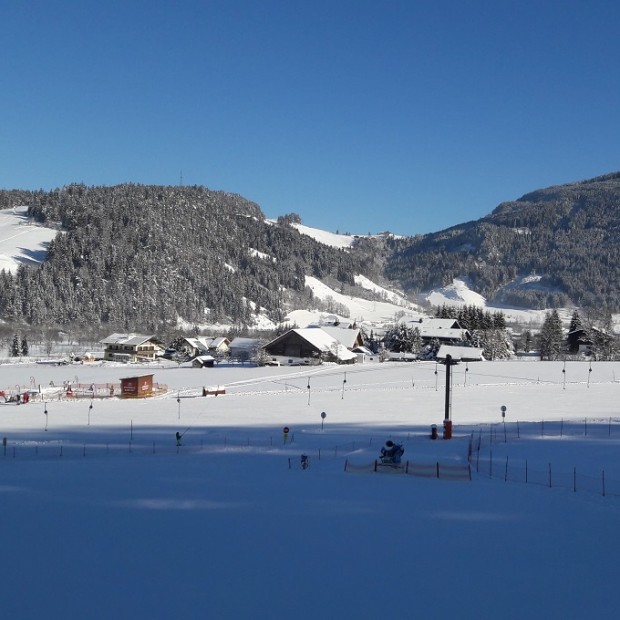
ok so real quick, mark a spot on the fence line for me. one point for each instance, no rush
(63, 448)
(485, 437)
(414, 468)
(503, 432)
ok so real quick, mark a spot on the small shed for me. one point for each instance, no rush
(137, 387)
(203, 361)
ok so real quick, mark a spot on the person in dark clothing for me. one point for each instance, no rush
(178, 438)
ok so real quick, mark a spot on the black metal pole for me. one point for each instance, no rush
(448, 385)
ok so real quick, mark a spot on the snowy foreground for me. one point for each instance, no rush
(104, 517)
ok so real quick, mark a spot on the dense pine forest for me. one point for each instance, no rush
(140, 257)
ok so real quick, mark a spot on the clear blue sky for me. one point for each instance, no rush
(409, 116)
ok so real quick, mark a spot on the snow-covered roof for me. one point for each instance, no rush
(321, 340)
(431, 327)
(430, 322)
(218, 342)
(344, 336)
(199, 342)
(459, 353)
(441, 333)
(127, 339)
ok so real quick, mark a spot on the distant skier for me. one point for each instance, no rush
(178, 438)
(391, 452)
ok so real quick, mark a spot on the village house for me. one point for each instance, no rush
(203, 361)
(309, 345)
(443, 331)
(131, 348)
(191, 347)
(219, 346)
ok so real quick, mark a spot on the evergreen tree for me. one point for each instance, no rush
(403, 339)
(551, 336)
(575, 331)
(15, 348)
(495, 344)
(24, 347)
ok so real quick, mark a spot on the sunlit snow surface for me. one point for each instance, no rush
(104, 517)
(22, 241)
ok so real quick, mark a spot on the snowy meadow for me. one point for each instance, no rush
(105, 517)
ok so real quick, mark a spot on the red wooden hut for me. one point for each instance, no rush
(137, 387)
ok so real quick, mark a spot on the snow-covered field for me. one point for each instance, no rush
(104, 517)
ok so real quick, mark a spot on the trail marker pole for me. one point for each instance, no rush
(323, 416)
(564, 373)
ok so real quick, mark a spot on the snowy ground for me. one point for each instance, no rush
(21, 240)
(103, 517)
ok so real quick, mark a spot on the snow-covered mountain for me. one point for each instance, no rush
(24, 242)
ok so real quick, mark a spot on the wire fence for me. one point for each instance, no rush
(485, 437)
(504, 432)
(27, 449)
(437, 470)
(480, 457)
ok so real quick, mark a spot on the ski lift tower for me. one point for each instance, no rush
(451, 356)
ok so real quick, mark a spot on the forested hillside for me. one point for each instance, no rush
(139, 257)
(134, 257)
(551, 248)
